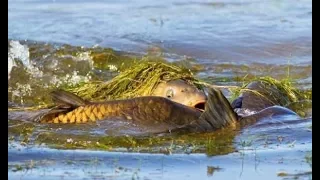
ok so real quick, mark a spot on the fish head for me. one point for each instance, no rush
(181, 92)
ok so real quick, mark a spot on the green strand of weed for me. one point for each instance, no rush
(139, 80)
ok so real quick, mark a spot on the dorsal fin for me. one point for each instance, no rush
(61, 97)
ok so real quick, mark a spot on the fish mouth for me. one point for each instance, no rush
(200, 106)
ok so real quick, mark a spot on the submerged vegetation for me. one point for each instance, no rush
(216, 143)
(288, 92)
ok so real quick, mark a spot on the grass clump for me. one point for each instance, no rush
(214, 143)
(139, 80)
(287, 89)
(282, 90)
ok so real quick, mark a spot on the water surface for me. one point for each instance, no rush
(52, 43)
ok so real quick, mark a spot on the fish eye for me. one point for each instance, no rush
(169, 93)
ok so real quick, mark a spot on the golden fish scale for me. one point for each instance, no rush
(83, 114)
(139, 109)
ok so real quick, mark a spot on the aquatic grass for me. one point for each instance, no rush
(139, 80)
(246, 143)
(16, 167)
(141, 76)
(28, 165)
(212, 169)
(287, 92)
(215, 143)
(285, 86)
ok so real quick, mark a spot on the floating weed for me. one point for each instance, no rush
(23, 167)
(17, 167)
(212, 169)
(220, 142)
(214, 144)
(70, 162)
(295, 176)
(287, 92)
(249, 140)
(21, 131)
(246, 143)
(139, 80)
(282, 174)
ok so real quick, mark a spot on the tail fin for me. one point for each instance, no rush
(218, 111)
(65, 102)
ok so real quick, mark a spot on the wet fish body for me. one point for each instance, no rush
(146, 109)
(157, 113)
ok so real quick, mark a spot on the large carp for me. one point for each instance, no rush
(162, 113)
(153, 113)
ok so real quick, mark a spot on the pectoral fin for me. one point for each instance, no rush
(218, 111)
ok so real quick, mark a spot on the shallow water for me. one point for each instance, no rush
(260, 153)
(248, 164)
(223, 41)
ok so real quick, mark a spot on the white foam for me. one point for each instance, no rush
(71, 79)
(20, 52)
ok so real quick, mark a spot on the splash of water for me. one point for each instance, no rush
(19, 52)
(30, 77)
